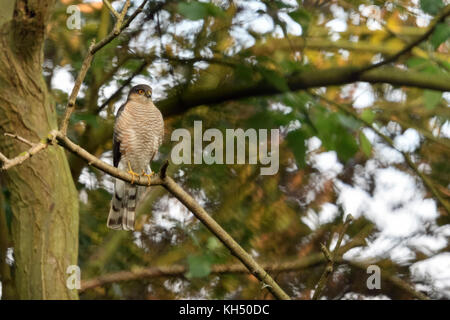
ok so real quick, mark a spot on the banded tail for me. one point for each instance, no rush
(123, 206)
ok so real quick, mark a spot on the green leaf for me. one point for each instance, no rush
(302, 17)
(90, 119)
(431, 6)
(368, 115)
(296, 142)
(275, 79)
(365, 144)
(415, 62)
(334, 135)
(199, 266)
(195, 10)
(440, 35)
(431, 98)
(213, 244)
(348, 121)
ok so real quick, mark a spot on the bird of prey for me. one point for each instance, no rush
(138, 133)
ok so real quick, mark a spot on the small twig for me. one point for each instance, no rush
(426, 181)
(331, 258)
(396, 281)
(9, 163)
(19, 138)
(139, 69)
(119, 22)
(163, 170)
(109, 6)
(188, 201)
(180, 270)
(76, 88)
(119, 27)
(410, 46)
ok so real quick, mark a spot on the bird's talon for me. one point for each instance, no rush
(133, 174)
(148, 175)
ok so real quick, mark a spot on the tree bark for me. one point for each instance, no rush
(43, 197)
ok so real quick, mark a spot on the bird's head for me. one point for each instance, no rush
(140, 92)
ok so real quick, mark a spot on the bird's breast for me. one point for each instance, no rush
(138, 129)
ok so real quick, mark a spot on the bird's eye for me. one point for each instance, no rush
(140, 91)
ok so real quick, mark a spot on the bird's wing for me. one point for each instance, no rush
(116, 142)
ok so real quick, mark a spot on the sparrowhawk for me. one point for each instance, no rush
(138, 133)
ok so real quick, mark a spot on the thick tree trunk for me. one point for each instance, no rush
(43, 197)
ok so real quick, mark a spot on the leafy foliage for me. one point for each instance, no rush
(195, 51)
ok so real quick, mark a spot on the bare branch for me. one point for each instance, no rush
(426, 181)
(396, 281)
(19, 138)
(9, 163)
(180, 270)
(410, 46)
(331, 258)
(109, 6)
(118, 28)
(139, 69)
(188, 201)
(225, 238)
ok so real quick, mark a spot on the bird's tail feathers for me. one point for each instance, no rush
(123, 206)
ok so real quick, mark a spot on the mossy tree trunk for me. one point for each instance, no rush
(43, 198)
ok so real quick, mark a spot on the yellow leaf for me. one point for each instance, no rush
(394, 23)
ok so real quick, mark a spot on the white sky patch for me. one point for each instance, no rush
(361, 92)
(403, 217)
(373, 13)
(339, 23)
(409, 141)
(358, 296)
(172, 212)
(402, 255)
(395, 95)
(62, 79)
(397, 205)
(311, 219)
(313, 144)
(328, 213)
(327, 163)
(292, 27)
(435, 270)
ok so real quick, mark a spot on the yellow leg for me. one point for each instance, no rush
(148, 176)
(133, 174)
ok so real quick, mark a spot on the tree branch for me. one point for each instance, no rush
(180, 270)
(109, 6)
(188, 201)
(285, 266)
(176, 104)
(426, 181)
(331, 258)
(396, 281)
(118, 28)
(9, 163)
(139, 69)
(410, 46)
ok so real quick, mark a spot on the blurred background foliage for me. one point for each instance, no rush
(230, 64)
